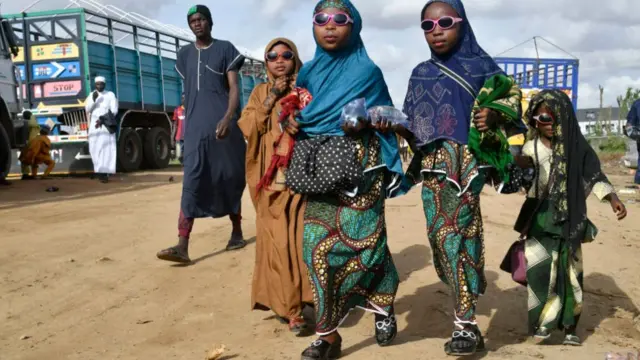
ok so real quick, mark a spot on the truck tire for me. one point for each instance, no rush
(129, 150)
(142, 132)
(5, 153)
(157, 148)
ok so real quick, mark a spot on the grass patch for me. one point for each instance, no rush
(609, 145)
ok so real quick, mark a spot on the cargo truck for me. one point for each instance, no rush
(13, 129)
(60, 53)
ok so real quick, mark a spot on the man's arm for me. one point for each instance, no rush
(113, 106)
(89, 103)
(234, 95)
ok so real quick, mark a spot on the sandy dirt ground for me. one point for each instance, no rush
(79, 280)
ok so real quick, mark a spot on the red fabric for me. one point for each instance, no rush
(178, 117)
(297, 100)
(185, 225)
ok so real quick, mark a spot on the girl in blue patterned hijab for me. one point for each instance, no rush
(439, 103)
(345, 237)
(447, 115)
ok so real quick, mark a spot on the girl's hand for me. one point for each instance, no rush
(618, 207)
(351, 129)
(281, 85)
(383, 125)
(523, 162)
(485, 119)
(292, 126)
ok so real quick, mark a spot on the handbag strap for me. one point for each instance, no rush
(542, 198)
(457, 78)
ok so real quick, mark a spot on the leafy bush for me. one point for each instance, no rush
(613, 144)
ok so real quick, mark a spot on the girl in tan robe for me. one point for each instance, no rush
(280, 281)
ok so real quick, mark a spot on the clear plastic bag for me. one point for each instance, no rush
(353, 112)
(388, 113)
(632, 132)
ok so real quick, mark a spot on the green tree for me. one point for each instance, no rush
(625, 101)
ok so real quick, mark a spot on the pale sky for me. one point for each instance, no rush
(605, 36)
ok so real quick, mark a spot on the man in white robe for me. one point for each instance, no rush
(102, 144)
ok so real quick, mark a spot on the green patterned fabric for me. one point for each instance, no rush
(454, 227)
(554, 275)
(499, 93)
(345, 247)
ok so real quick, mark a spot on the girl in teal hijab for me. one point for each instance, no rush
(345, 237)
(338, 76)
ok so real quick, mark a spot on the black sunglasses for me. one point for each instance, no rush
(273, 55)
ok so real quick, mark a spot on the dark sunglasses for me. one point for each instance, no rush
(543, 118)
(340, 19)
(273, 55)
(445, 22)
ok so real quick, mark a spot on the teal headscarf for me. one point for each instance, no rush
(336, 78)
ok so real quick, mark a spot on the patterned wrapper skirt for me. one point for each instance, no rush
(345, 247)
(451, 187)
(554, 275)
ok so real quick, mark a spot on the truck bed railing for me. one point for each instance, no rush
(95, 8)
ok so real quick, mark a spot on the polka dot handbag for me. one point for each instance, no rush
(322, 165)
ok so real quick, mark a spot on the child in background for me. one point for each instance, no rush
(178, 118)
(38, 153)
(34, 131)
(553, 221)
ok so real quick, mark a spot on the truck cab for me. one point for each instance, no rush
(12, 121)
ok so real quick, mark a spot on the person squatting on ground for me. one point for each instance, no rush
(38, 153)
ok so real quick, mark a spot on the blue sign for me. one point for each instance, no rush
(21, 69)
(43, 120)
(55, 70)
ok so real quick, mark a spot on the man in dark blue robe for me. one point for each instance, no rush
(214, 148)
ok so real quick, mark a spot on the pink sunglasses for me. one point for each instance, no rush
(445, 22)
(340, 19)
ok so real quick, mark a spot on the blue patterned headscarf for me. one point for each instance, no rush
(336, 78)
(439, 108)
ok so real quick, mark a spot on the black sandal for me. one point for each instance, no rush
(571, 340)
(298, 326)
(542, 333)
(175, 254)
(464, 342)
(236, 242)
(386, 329)
(323, 350)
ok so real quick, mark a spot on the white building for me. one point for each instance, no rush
(610, 118)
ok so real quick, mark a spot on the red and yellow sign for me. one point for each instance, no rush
(54, 51)
(57, 89)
